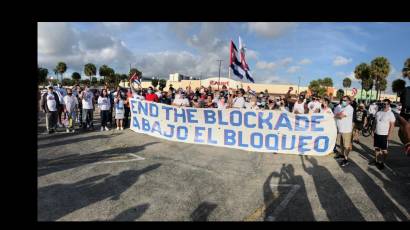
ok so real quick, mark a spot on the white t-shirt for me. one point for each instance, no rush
(104, 103)
(299, 107)
(87, 100)
(51, 102)
(159, 94)
(238, 102)
(327, 110)
(345, 125)
(70, 103)
(221, 104)
(181, 101)
(383, 120)
(373, 109)
(139, 97)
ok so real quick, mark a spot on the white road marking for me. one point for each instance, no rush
(284, 203)
(136, 158)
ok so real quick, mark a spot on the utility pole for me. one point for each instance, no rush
(298, 85)
(219, 76)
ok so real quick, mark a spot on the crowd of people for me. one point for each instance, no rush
(65, 107)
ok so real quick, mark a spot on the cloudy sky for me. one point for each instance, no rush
(278, 52)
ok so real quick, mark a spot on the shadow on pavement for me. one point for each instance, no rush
(331, 194)
(386, 207)
(58, 200)
(75, 140)
(47, 166)
(302, 210)
(202, 212)
(133, 213)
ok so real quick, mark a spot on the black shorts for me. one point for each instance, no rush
(380, 141)
(358, 125)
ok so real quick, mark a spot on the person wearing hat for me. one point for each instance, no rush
(49, 104)
(360, 120)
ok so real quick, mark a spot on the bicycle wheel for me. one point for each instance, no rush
(366, 131)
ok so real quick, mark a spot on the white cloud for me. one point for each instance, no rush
(305, 61)
(266, 65)
(340, 60)
(270, 29)
(77, 48)
(293, 69)
(286, 61)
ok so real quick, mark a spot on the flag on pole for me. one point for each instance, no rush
(234, 62)
(244, 64)
(135, 79)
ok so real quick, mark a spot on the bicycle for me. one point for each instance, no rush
(368, 128)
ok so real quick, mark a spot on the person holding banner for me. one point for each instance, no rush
(344, 122)
(181, 100)
(300, 106)
(239, 101)
(151, 96)
(324, 108)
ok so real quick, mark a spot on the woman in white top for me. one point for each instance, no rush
(299, 107)
(104, 105)
(325, 107)
(119, 111)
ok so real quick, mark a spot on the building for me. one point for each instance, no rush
(182, 81)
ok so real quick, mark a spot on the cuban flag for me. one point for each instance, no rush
(234, 63)
(244, 64)
(136, 79)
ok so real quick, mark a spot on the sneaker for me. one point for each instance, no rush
(372, 162)
(59, 125)
(118, 128)
(102, 128)
(88, 126)
(344, 163)
(50, 132)
(67, 130)
(380, 165)
(73, 131)
(122, 128)
(107, 129)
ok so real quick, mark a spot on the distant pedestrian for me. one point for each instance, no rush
(360, 120)
(49, 104)
(385, 121)
(119, 111)
(344, 123)
(104, 105)
(88, 102)
(71, 105)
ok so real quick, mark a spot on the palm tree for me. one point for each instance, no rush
(340, 93)
(42, 75)
(90, 70)
(347, 82)
(61, 68)
(398, 86)
(76, 77)
(362, 73)
(381, 86)
(406, 69)
(104, 71)
(367, 84)
(379, 69)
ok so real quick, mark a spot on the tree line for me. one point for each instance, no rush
(373, 75)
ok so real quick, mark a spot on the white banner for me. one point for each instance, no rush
(250, 130)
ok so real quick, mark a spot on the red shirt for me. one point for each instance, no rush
(151, 97)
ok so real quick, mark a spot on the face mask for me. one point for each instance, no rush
(149, 91)
(344, 103)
